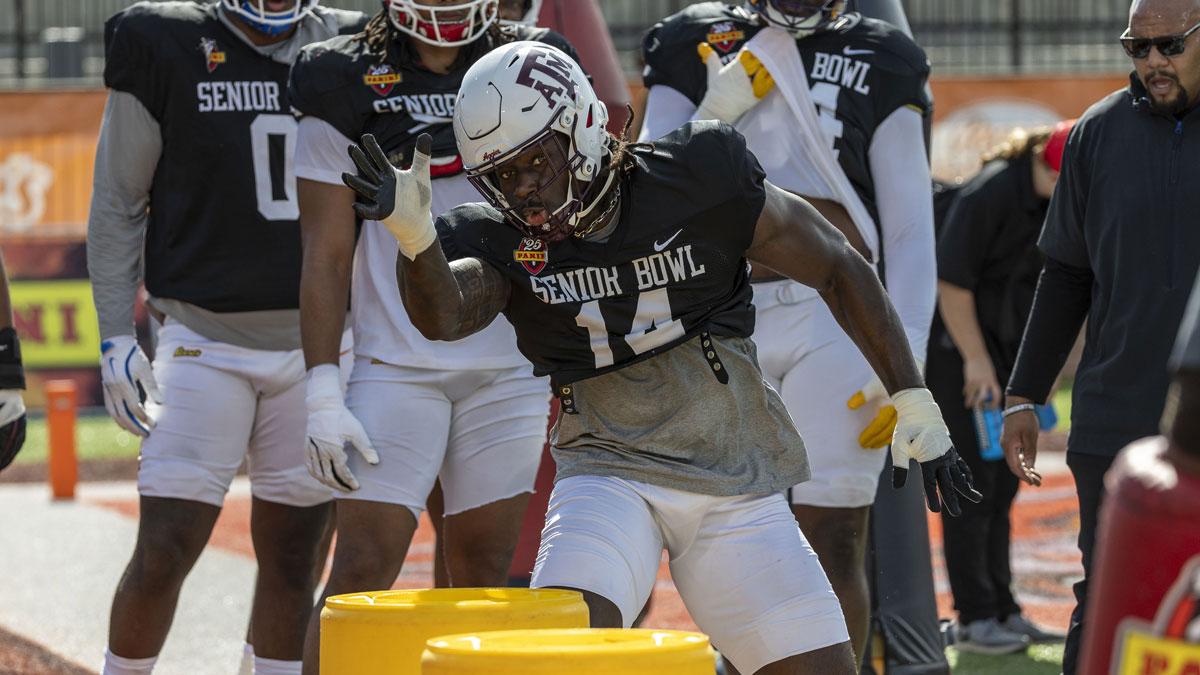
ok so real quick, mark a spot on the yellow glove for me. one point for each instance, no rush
(734, 87)
(879, 432)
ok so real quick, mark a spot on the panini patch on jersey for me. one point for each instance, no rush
(724, 36)
(531, 255)
(381, 78)
(213, 56)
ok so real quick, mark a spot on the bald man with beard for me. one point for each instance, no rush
(1121, 251)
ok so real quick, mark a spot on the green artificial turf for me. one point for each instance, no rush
(1037, 660)
(96, 437)
(1062, 405)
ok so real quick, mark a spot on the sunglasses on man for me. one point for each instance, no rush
(1168, 45)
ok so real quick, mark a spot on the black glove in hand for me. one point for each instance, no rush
(946, 475)
(922, 435)
(400, 200)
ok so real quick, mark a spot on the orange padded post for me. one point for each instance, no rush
(60, 425)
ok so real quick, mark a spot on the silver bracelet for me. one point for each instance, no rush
(1018, 408)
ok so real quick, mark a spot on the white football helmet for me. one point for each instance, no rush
(443, 25)
(522, 94)
(798, 17)
(530, 18)
(272, 23)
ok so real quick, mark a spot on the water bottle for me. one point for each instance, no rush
(988, 422)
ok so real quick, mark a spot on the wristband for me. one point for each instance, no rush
(12, 373)
(1013, 409)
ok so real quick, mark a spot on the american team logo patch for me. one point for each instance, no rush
(213, 56)
(723, 36)
(531, 254)
(381, 78)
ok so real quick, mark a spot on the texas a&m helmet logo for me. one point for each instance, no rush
(213, 56)
(723, 36)
(381, 78)
(531, 254)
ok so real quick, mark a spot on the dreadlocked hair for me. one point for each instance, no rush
(623, 161)
(1021, 142)
(382, 38)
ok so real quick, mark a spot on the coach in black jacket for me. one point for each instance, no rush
(1122, 246)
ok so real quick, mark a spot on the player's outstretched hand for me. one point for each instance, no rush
(921, 434)
(734, 87)
(400, 199)
(331, 426)
(128, 381)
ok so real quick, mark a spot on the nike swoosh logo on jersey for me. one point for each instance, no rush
(659, 247)
(856, 52)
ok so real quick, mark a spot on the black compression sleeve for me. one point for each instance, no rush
(1064, 295)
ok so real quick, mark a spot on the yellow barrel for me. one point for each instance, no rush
(595, 651)
(385, 631)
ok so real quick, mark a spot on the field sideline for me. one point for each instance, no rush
(1045, 563)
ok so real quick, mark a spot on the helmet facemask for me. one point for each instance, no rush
(255, 13)
(801, 18)
(581, 198)
(443, 25)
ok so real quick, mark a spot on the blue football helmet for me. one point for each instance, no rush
(255, 13)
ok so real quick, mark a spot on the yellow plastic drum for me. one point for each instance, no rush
(385, 631)
(598, 651)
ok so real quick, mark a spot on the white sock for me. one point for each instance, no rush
(247, 665)
(118, 665)
(276, 667)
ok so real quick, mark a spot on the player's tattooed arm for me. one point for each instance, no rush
(449, 301)
(794, 239)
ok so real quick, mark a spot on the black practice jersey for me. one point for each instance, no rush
(224, 230)
(673, 267)
(341, 82)
(860, 70)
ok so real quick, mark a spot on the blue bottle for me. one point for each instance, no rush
(988, 422)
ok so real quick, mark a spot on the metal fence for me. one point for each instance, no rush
(60, 42)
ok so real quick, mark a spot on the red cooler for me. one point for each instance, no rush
(1143, 613)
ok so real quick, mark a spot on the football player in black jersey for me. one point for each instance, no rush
(832, 104)
(623, 270)
(194, 194)
(468, 414)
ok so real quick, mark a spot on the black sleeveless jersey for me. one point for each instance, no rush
(224, 230)
(860, 70)
(674, 266)
(340, 82)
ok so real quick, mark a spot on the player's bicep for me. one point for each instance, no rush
(794, 239)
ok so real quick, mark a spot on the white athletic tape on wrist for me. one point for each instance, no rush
(920, 431)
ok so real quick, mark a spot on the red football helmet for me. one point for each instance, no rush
(443, 25)
(798, 17)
